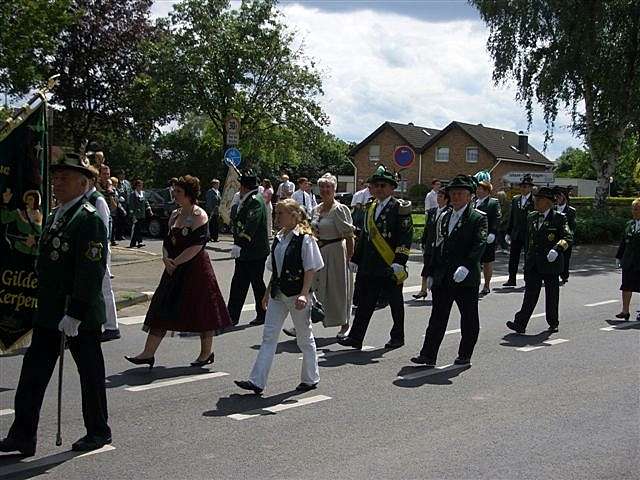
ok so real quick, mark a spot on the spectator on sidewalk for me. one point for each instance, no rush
(285, 189)
(212, 206)
(139, 209)
(431, 199)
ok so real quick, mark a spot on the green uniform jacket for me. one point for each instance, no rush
(517, 226)
(71, 266)
(491, 207)
(570, 213)
(396, 227)
(138, 208)
(462, 248)
(250, 228)
(553, 234)
(429, 232)
(629, 250)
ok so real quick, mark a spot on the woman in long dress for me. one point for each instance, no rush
(188, 298)
(333, 226)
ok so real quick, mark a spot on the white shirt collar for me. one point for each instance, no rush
(525, 198)
(246, 195)
(384, 202)
(545, 213)
(62, 209)
(562, 207)
(458, 213)
(282, 235)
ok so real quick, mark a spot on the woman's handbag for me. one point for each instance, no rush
(317, 310)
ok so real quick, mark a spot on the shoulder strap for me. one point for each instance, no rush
(380, 244)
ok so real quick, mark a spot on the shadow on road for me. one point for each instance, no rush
(291, 346)
(143, 376)
(622, 325)
(519, 340)
(15, 469)
(243, 403)
(442, 377)
(418, 303)
(352, 357)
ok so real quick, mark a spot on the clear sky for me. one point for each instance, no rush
(420, 61)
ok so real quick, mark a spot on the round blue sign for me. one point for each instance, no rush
(233, 155)
(404, 156)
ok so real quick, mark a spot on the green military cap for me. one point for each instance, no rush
(383, 175)
(72, 161)
(465, 182)
(546, 192)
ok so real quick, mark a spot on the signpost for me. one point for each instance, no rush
(234, 156)
(232, 125)
(404, 156)
(539, 178)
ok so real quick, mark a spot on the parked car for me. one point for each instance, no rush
(161, 205)
(344, 198)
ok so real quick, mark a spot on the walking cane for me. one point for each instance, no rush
(63, 338)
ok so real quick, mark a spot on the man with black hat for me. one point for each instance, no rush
(250, 249)
(454, 272)
(380, 259)
(562, 206)
(548, 238)
(521, 206)
(71, 266)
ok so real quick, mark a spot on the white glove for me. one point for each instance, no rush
(69, 326)
(396, 267)
(507, 238)
(552, 256)
(235, 251)
(491, 238)
(460, 274)
(618, 265)
(353, 267)
(429, 283)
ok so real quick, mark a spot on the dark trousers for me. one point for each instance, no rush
(247, 272)
(369, 290)
(136, 233)
(38, 366)
(565, 270)
(466, 299)
(532, 286)
(213, 227)
(517, 246)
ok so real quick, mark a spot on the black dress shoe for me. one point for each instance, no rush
(514, 327)
(206, 361)
(257, 321)
(110, 334)
(141, 361)
(305, 387)
(350, 342)
(247, 385)
(290, 332)
(422, 360)
(624, 316)
(509, 283)
(391, 344)
(552, 329)
(27, 449)
(90, 442)
(462, 361)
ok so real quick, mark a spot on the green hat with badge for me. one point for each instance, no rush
(462, 181)
(383, 175)
(72, 161)
(546, 192)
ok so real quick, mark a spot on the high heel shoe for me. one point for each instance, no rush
(420, 294)
(624, 315)
(141, 361)
(206, 361)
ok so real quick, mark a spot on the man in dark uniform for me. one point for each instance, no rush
(521, 206)
(562, 206)
(380, 259)
(548, 237)
(71, 266)
(250, 249)
(454, 272)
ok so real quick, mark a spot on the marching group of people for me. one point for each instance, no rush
(312, 261)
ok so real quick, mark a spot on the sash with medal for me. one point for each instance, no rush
(381, 245)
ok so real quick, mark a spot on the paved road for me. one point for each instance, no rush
(534, 406)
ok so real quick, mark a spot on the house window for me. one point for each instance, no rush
(473, 154)
(374, 153)
(442, 154)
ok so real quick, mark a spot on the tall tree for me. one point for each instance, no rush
(218, 61)
(572, 53)
(29, 33)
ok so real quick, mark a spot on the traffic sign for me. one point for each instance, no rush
(404, 156)
(234, 156)
(232, 125)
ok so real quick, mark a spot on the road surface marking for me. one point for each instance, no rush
(6, 411)
(280, 407)
(619, 326)
(131, 320)
(503, 278)
(538, 315)
(546, 343)
(56, 459)
(431, 371)
(149, 294)
(176, 381)
(606, 302)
